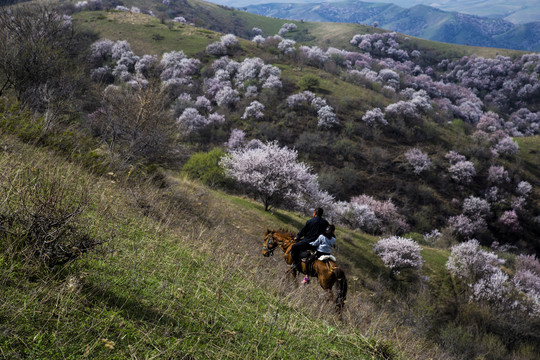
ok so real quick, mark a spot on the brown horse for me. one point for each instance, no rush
(327, 272)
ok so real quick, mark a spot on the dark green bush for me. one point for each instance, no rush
(308, 82)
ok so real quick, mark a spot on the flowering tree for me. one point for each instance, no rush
(418, 160)
(506, 146)
(258, 39)
(216, 48)
(272, 82)
(399, 253)
(271, 173)
(191, 120)
(509, 220)
(227, 97)
(405, 109)
(254, 110)
(432, 236)
(146, 63)
(480, 271)
(229, 40)
(374, 117)
(462, 172)
(527, 280)
(476, 208)
(327, 118)
(497, 175)
(286, 46)
(466, 227)
(203, 103)
(523, 188)
(454, 157)
(469, 262)
(216, 118)
(355, 216)
(236, 140)
(388, 219)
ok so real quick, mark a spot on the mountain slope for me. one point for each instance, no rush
(420, 20)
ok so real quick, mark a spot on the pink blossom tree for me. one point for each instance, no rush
(191, 120)
(497, 175)
(389, 220)
(469, 262)
(462, 172)
(271, 173)
(509, 220)
(355, 216)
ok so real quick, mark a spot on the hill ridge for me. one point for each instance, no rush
(419, 20)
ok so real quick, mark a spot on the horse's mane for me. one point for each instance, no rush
(285, 232)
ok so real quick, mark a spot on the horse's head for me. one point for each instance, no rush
(269, 244)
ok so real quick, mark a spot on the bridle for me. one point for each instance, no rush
(268, 243)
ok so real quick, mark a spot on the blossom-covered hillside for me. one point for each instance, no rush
(431, 151)
(450, 124)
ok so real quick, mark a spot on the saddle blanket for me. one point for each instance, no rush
(327, 257)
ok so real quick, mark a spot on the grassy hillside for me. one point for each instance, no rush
(180, 276)
(180, 272)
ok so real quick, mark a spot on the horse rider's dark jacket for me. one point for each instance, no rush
(313, 228)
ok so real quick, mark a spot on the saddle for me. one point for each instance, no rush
(306, 254)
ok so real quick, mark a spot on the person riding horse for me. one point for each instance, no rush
(313, 228)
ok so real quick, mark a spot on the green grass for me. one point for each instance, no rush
(529, 153)
(139, 30)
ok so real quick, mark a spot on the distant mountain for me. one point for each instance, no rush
(515, 11)
(420, 20)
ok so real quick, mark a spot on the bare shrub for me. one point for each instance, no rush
(135, 124)
(41, 220)
(39, 48)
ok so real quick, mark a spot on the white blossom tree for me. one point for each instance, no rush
(254, 110)
(374, 117)
(398, 253)
(418, 160)
(327, 118)
(462, 172)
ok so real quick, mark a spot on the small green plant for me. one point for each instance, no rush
(157, 37)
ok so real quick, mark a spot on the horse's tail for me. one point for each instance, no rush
(341, 288)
